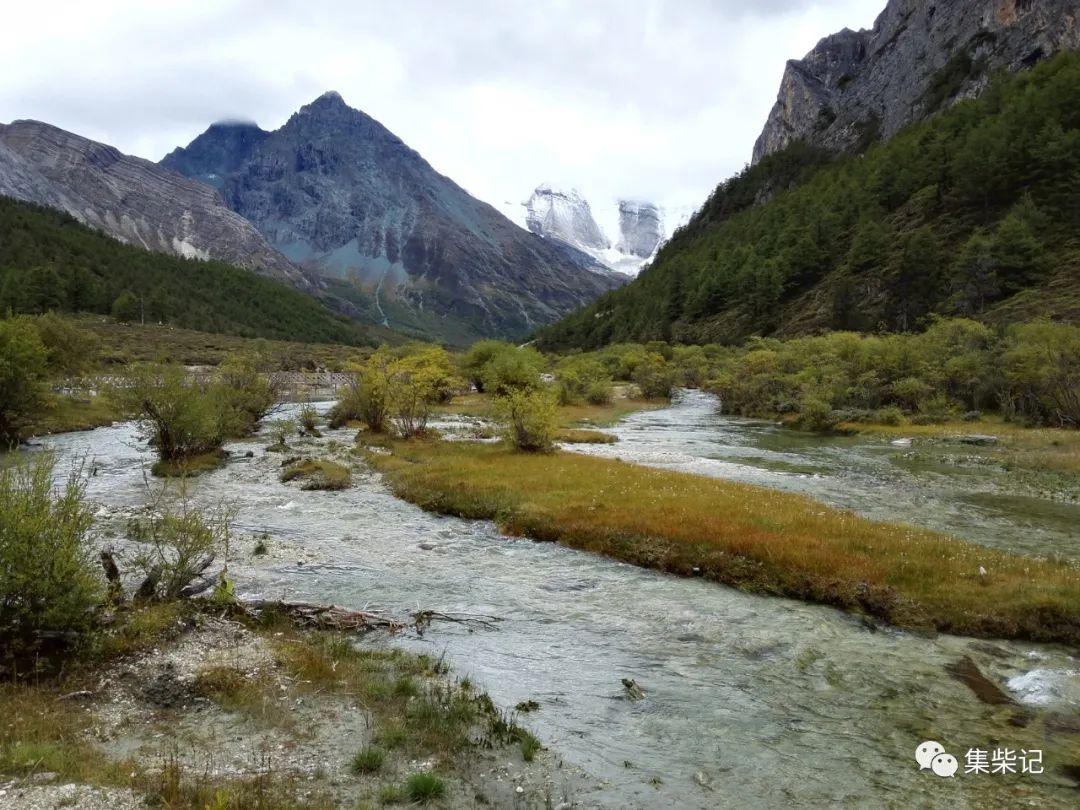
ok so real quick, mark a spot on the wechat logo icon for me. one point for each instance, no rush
(932, 756)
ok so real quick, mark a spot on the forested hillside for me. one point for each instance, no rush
(48, 261)
(975, 211)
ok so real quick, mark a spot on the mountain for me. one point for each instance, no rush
(974, 211)
(224, 147)
(641, 228)
(920, 56)
(337, 192)
(565, 216)
(49, 261)
(131, 199)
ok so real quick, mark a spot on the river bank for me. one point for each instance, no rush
(188, 708)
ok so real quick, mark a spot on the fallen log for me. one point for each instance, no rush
(335, 617)
(321, 617)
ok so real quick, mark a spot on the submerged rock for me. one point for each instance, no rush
(967, 672)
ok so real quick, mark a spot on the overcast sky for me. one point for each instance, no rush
(654, 99)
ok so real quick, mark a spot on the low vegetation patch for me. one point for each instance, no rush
(414, 711)
(750, 537)
(318, 475)
(581, 436)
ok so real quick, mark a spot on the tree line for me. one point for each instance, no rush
(50, 262)
(970, 213)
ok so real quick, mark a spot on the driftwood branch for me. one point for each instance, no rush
(322, 617)
(305, 614)
(335, 617)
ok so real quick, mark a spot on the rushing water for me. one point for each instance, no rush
(869, 475)
(750, 701)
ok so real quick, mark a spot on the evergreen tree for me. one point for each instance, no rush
(916, 279)
(974, 278)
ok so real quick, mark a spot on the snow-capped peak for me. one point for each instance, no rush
(565, 215)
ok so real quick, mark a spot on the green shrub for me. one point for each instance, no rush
(246, 395)
(889, 415)
(513, 369)
(654, 377)
(580, 379)
(23, 360)
(530, 420)
(180, 416)
(185, 418)
(415, 384)
(280, 431)
(177, 543)
(126, 307)
(70, 350)
(476, 359)
(911, 393)
(308, 419)
(435, 365)
(48, 583)
(366, 398)
(815, 414)
(1040, 366)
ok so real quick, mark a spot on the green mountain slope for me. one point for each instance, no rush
(975, 211)
(48, 261)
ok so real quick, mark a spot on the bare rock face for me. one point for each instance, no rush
(920, 56)
(337, 192)
(131, 199)
(641, 228)
(564, 215)
(222, 148)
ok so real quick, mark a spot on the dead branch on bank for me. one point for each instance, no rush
(335, 617)
(308, 615)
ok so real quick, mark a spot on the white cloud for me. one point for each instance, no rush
(640, 98)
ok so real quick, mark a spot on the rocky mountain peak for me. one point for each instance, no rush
(337, 192)
(641, 228)
(564, 214)
(920, 56)
(218, 151)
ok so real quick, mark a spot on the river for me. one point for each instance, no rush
(750, 701)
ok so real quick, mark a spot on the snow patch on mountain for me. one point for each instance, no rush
(565, 215)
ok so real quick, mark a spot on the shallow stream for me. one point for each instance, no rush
(750, 701)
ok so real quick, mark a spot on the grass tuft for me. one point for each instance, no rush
(423, 787)
(318, 475)
(368, 760)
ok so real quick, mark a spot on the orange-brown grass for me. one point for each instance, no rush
(751, 537)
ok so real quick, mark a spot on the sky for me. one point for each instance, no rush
(645, 99)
